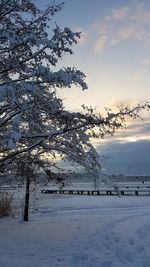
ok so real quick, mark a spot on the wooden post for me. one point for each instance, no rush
(27, 196)
(122, 193)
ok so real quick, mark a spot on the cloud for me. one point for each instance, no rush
(138, 75)
(119, 14)
(119, 25)
(139, 130)
(100, 43)
(146, 61)
(83, 36)
(128, 151)
(141, 16)
(134, 130)
(127, 158)
(123, 24)
(129, 32)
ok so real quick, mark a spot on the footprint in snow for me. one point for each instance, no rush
(131, 242)
(142, 233)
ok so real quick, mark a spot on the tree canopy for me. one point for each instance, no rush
(32, 116)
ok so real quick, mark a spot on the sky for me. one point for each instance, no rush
(114, 53)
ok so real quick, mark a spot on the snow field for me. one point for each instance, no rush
(79, 231)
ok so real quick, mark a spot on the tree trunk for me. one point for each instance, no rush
(27, 196)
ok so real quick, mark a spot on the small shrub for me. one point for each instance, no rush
(6, 204)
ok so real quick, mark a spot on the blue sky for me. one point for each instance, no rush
(114, 53)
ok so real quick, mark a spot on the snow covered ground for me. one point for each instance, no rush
(79, 231)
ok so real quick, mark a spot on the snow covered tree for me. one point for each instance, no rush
(33, 120)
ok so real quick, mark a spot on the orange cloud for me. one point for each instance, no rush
(120, 13)
(134, 26)
(83, 36)
(100, 43)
